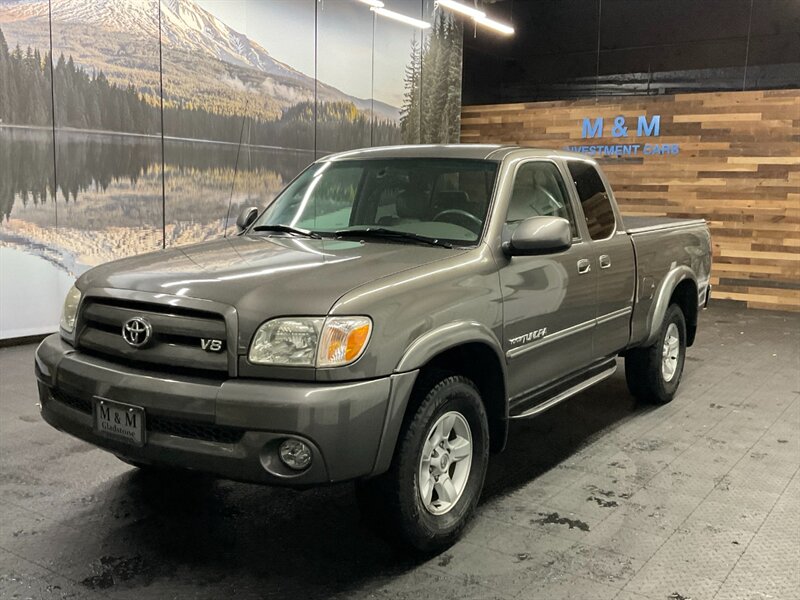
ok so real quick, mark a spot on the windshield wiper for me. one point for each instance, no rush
(382, 232)
(288, 229)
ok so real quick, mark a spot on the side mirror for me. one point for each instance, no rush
(246, 218)
(539, 235)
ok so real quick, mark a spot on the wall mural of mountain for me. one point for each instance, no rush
(82, 176)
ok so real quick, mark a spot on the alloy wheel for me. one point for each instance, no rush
(669, 352)
(445, 463)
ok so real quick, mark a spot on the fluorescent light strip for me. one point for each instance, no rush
(461, 8)
(477, 15)
(373, 3)
(495, 25)
(401, 18)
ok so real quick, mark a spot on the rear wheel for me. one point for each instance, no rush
(654, 373)
(429, 493)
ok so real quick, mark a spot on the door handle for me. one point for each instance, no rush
(584, 266)
(605, 261)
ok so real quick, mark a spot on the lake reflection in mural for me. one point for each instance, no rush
(109, 192)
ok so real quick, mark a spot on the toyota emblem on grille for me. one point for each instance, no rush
(137, 332)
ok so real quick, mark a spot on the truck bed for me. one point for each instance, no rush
(635, 225)
(662, 246)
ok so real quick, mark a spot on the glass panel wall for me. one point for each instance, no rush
(131, 125)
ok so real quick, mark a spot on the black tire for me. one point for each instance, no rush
(391, 502)
(643, 366)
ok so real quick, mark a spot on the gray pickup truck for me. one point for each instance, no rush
(381, 320)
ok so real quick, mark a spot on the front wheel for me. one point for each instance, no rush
(429, 493)
(654, 373)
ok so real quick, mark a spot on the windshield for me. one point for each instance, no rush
(442, 199)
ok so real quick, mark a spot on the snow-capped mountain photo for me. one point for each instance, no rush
(204, 60)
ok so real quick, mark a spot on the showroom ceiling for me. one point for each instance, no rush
(580, 48)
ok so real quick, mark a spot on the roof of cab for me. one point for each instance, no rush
(466, 151)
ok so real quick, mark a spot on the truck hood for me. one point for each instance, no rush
(264, 276)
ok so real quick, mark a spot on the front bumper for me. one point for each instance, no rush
(231, 428)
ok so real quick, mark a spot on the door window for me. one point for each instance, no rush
(539, 191)
(597, 208)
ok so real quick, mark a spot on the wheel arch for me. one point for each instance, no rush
(678, 287)
(469, 348)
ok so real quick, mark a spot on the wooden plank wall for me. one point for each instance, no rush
(738, 167)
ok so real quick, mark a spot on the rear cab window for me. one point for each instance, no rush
(595, 202)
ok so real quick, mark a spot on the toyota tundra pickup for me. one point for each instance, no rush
(382, 320)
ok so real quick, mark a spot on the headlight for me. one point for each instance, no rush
(291, 342)
(310, 341)
(70, 310)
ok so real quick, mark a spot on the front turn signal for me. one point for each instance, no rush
(343, 340)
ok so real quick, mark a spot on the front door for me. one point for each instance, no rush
(548, 300)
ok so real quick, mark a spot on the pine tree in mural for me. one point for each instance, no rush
(431, 110)
(5, 77)
(455, 53)
(432, 93)
(410, 111)
(25, 86)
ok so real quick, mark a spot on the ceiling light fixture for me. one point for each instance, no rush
(495, 25)
(401, 18)
(462, 8)
(373, 3)
(477, 15)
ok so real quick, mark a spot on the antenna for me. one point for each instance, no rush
(235, 170)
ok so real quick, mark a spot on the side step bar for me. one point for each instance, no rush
(567, 393)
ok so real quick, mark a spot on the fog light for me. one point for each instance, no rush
(295, 454)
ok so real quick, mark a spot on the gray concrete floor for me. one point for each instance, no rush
(597, 499)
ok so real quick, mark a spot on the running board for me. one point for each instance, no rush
(577, 388)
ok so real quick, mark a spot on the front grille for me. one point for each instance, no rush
(184, 428)
(176, 342)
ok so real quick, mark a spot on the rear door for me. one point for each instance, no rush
(612, 256)
(548, 300)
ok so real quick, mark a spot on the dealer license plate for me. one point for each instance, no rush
(119, 421)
